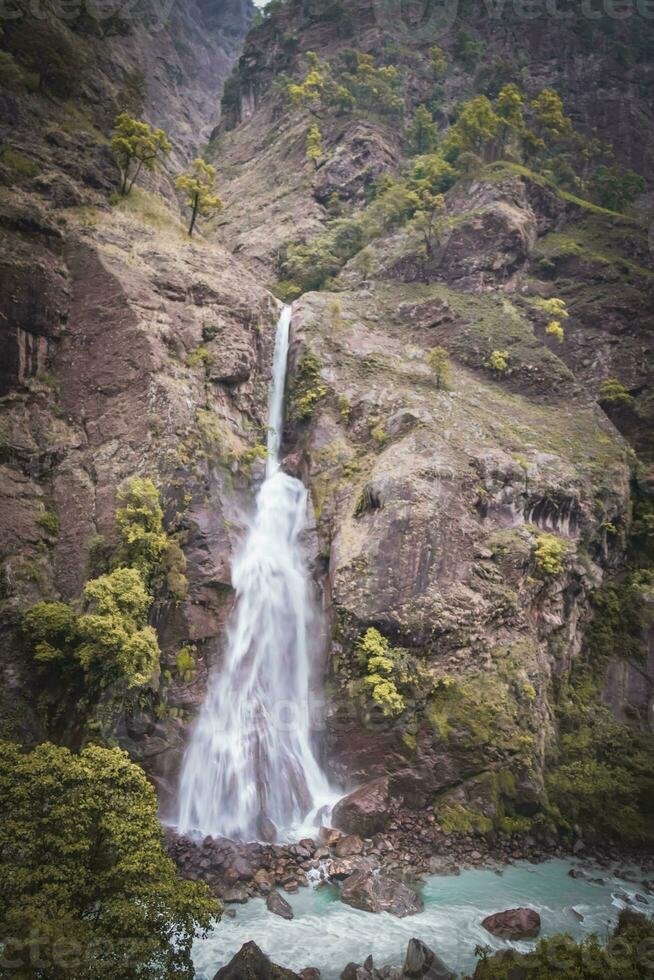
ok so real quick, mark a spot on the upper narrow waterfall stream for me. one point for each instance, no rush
(250, 759)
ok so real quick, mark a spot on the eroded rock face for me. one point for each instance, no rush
(375, 893)
(513, 924)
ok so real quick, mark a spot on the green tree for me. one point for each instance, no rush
(509, 107)
(117, 644)
(199, 183)
(439, 361)
(548, 114)
(135, 144)
(49, 50)
(85, 882)
(474, 131)
(314, 143)
(615, 188)
(468, 50)
(423, 131)
(431, 206)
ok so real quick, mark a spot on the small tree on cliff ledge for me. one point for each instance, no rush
(135, 145)
(200, 184)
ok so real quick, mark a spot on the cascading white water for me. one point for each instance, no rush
(250, 758)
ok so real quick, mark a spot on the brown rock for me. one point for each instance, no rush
(329, 835)
(513, 924)
(366, 810)
(375, 893)
(278, 905)
(251, 964)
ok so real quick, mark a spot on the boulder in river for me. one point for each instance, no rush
(278, 905)
(250, 963)
(376, 893)
(365, 811)
(422, 963)
(513, 924)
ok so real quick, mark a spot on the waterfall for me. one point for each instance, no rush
(250, 759)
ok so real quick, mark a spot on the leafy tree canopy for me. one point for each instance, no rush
(87, 889)
(135, 144)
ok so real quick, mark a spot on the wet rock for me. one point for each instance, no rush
(348, 846)
(513, 924)
(237, 895)
(579, 916)
(264, 881)
(365, 811)
(310, 973)
(376, 893)
(278, 905)
(266, 829)
(329, 835)
(422, 963)
(251, 964)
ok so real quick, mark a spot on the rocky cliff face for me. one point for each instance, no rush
(103, 312)
(433, 506)
(466, 532)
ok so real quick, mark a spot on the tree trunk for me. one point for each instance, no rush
(196, 201)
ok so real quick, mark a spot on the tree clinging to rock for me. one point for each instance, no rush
(135, 144)
(199, 183)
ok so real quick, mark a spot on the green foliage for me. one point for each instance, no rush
(186, 664)
(49, 522)
(498, 361)
(135, 144)
(439, 361)
(306, 389)
(553, 307)
(423, 131)
(468, 50)
(22, 165)
(314, 143)
(613, 392)
(199, 185)
(615, 188)
(381, 664)
(350, 83)
(200, 357)
(561, 958)
(456, 818)
(11, 76)
(554, 329)
(53, 53)
(548, 114)
(139, 518)
(117, 644)
(549, 554)
(438, 61)
(83, 868)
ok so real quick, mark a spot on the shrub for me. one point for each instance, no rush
(117, 644)
(439, 361)
(314, 143)
(49, 522)
(186, 665)
(306, 389)
(615, 188)
(498, 361)
(613, 392)
(84, 869)
(550, 554)
(22, 165)
(554, 329)
(140, 521)
(382, 664)
(423, 131)
(200, 357)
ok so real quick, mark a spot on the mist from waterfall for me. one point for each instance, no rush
(250, 759)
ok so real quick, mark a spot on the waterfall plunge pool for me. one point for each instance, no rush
(328, 935)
